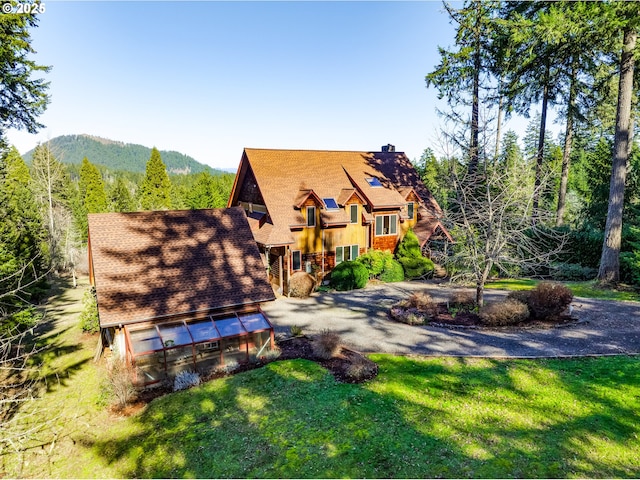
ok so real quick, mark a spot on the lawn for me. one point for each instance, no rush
(437, 417)
(589, 289)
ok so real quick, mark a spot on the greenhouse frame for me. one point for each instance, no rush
(160, 351)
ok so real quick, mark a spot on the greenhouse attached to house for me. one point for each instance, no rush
(179, 290)
(161, 351)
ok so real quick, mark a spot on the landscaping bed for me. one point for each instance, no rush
(547, 305)
(347, 366)
(340, 366)
(443, 317)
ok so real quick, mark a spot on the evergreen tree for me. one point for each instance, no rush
(200, 195)
(91, 186)
(463, 71)
(155, 190)
(627, 17)
(120, 197)
(22, 240)
(511, 154)
(23, 97)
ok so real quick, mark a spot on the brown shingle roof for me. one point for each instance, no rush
(150, 265)
(285, 176)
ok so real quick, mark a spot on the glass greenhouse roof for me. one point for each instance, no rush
(170, 335)
(254, 322)
(203, 331)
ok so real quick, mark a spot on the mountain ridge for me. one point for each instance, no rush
(116, 155)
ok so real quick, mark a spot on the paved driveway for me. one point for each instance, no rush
(360, 316)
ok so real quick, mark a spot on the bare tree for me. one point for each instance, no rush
(490, 220)
(20, 379)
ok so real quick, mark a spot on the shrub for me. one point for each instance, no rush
(120, 380)
(548, 300)
(301, 285)
(572, 272)
(520, 295)
(271, 354)
(89, 320)
(630, 267)
(410, 257)
(394, 272)
(295, 330)
(462, 299)
(508, 312)
(186, 380)
(327, 345)
(349, 275)
(420, 301)
(228, 367)
(360, 369)
(376, 261)
(410, 316)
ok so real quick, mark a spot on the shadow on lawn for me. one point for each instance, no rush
(419, 418)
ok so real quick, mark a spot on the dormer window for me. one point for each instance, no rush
(374, 182)
(311, 216)
(354, 212)
(330, 203)
(410, 208)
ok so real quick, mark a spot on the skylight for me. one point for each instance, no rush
(374, 182)
(330, 203)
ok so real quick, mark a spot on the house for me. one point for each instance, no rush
(312, 209)
(179, 290)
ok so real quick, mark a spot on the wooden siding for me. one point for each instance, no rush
(249, 191)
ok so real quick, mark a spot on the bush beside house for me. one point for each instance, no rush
(410, 257)
(349, 275)
(382, 266)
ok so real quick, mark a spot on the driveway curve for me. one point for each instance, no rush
(605, 327)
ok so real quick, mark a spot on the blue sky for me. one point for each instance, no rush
(210, 78)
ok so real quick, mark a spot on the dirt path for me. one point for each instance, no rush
(605, 327)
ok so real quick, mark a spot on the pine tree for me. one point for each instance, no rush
(461, 73)
(91, 188)
(23, 97)
(155, 190)
(22, 239)
(629, 17)
(120, 197)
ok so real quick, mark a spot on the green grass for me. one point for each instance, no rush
(419, 418)
(438, 417)
(589, 289)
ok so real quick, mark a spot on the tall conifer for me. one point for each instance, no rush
(155, 190)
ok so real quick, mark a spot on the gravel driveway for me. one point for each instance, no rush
(605, 327)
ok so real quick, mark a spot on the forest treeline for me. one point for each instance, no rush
(576, 59)
(44, 208)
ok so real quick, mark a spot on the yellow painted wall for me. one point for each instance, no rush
(309, 239)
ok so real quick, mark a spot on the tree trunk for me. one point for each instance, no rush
(540, 155)
(609, 271)
(566, 155)
(498, 128)
(475, 101)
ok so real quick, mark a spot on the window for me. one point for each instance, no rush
(386, 225)
(311, 216)
(410, 207)
(374, 182)
(296, 260)
(347, 252)
(354, 213)
(330, 203)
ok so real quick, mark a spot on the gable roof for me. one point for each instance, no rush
(150, 265)
(285, 179)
